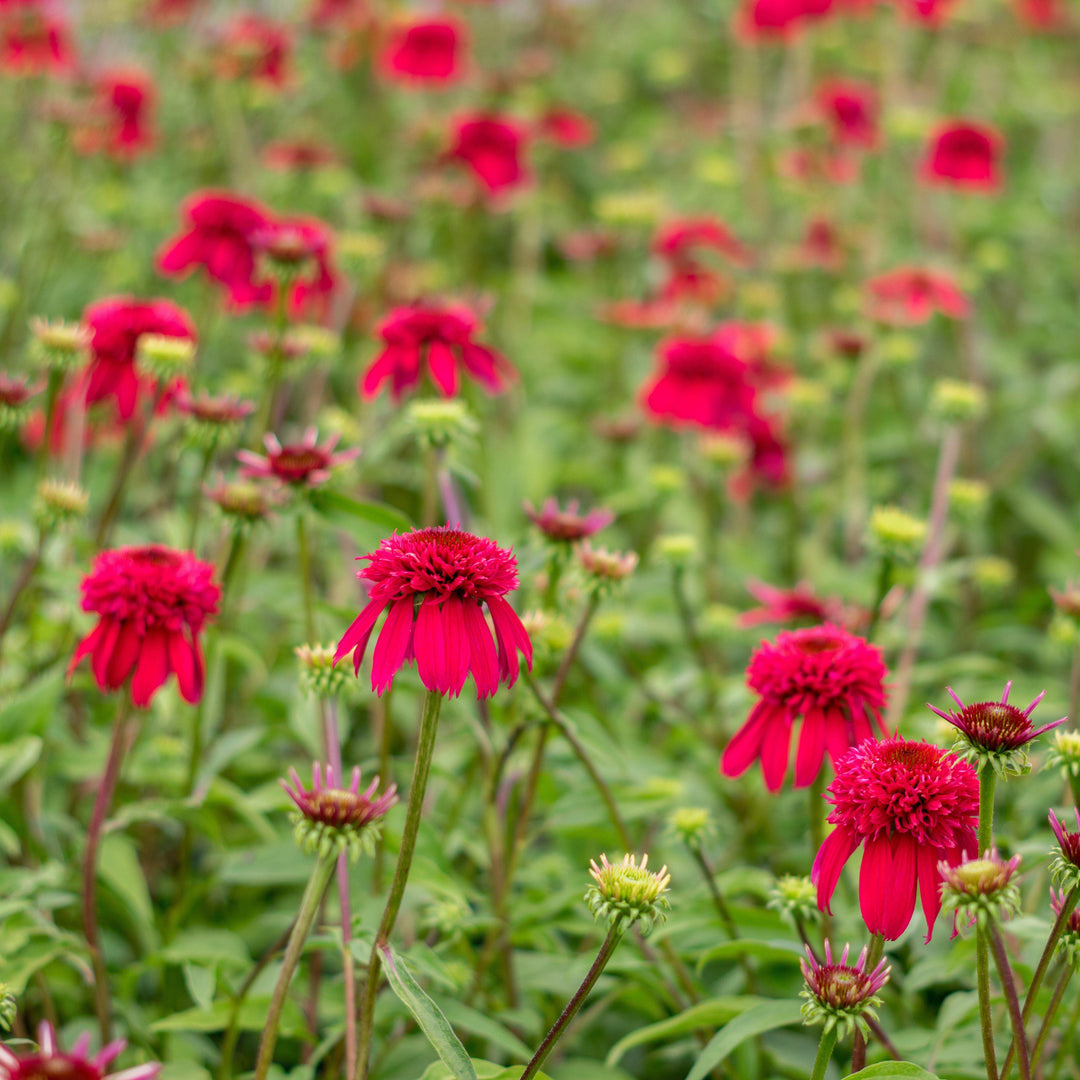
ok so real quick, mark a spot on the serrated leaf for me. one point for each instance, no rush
(756, 1021)
(428, 1015)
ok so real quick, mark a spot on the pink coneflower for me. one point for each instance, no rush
(1066, 865)
(834, 680)
(440, 337)
(850, 110)
(995, 727)
(821, 246)
(910, 295)
(912, 805)
(684, 240)
(34, 38)
(428, 52)
(255, 48)
(302, 464)
(788, 605)
(299, 249)
(838, 993)
(152, 602)
(567, 525)
(15, 395)
(74, 1064)
(964, 155)
(566, 127)
(127, 97)
(214, 411)
(433, 584)
(493, 148)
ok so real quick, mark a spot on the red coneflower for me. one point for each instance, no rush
(567, 525)
(302, 464)
(964, 155)
(127, 99)
(787, 605)
(566, 127)
(850, 110)
(255, 48)
(433, 584)
(912, 805)
(682, 243)
(116, 324)
(440, 336)
(300, 250)
(492, 147)
(910, 295)
(34, 38)
(152, 602)
(834, 680)
(426, 52)
(74, 1064)
(841, 994)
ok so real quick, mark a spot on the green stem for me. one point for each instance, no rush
(1051, 1012)
(858, 1048)
(309, 908)
(723, 911)
(52, 393)
(1066, 1040)
(883, 582)
(824, 1053)
(987, 780)
(986, 1018)
(198, 498)
(614, 935)
(303, 558)
(1008, 985)
(429, 727)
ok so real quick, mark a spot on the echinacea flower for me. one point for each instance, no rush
(910, 295)
(788, 605)
(213, 415)
(427, 52)
(841, 995)
(302, 464)
(433, 585)
(246, 502)
(911, 805)
(964, 155)
(152, 603)
(850, 110)
(628, 892)
(567, 525)
(1065, 868)
(297, 155)
(1069, 942)
(48, 1060)
(492, 147)
(329, 817)
(34, 38)
(127, 99)
(832, 679)
(440, 338)
(256, 49)
(116, 324)
(299, 252)
(15, 394)
(995, 732)
(981, 887)
(566, 127)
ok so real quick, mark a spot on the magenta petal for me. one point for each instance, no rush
(392, 644)
(443, 367)
(430, 644)
(830, 860)
(775, 749)
(381, 370)
(182, 660)
(124, 655)
(887, 882)
(356, 637)
(745, 746)
(86, 647)
(152, 669)
(485, 662)
(456, 643)
(103, 651)
(512, 637)
(930, 886)
(811, 750)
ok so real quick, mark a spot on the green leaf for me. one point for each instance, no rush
(706, 1014)
(30, 711)
(777, 952)
(471, 1020)
(485, 1070)
(428, 1015)
(761, 1018)
(207, 945)
(216, 1018)
(201, 983)
(18, 758)
(119, 868)
(892, 1070)
(332, 504)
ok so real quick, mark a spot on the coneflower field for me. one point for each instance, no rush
(539, 539)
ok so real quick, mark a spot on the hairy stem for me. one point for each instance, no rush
(824, 1053)
(1051, 1013)
(1008, 985)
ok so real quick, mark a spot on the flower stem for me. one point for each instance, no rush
(1051, 1012)
(723, 911)
(102, 805)
(198, 497)
(824, 1053)
(987, 781)
(1008, 985)
(429, 726)
(883, 582)
(1066, 1040)
(303, 559)
(606, 949)
(309, 907)
(858, 1047)
(26, 575)
(986, 1018)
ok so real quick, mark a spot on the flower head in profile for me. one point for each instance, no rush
(127, 97)
(830, 678)
(789, 605)
(247, 503)
(566, 127)
(492, 147)
(965, 156)
(331, 818)
(910, 295)
(1069, 942)
(566, 526)
(152, 603)
(850, 110)
(301, 464)
(433, 585)
(841, 995)
(428, 52)
(982, 888)
(116, 325)
(606, 567)
(48, 1060)
(1066, 865)
(441, 340)
(15, 394)
(995, 733)
(213, 416)
(912, 806)
(627, 892)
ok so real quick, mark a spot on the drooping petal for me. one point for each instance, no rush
(182, 661)
(512, 637)
(811, 750)
(99, 662)
(745, 746)
(830, 860)
(124, 654)
(381, 369)
(485, 662)
(86, 647)
(152, 668)
(443, 367)
(429, 640)
(392, 644)
(887, 882)
(456, 642)
(775, 749)
(930, 886)
(356, 637)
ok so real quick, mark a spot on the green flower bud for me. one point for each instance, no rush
(954, 401)
(628, 893)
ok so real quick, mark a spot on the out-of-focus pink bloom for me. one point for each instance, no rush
(305, 246)
(34, 38)
(566, 127)
(910, 295)
(588, 245)
(964, 155)
(302, 464)
(428, 52)
(850, 110)
(777, 19)
(257, 49)
(1045, 16)
(821, 246)
(789, 605)
(685, 239)
(567, 525)
(127, 98)
(492, 147)
(930, 12)
(297, 155)
(172, 12)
